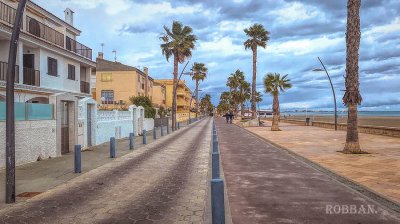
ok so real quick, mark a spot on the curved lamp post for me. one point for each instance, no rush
(333, 90)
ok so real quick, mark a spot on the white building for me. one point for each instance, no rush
(52, 74)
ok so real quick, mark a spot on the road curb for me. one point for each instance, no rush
(361, 189)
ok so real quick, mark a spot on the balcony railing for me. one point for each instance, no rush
(40, 30)
(85, 87)
(3, 72)
(7, 13)
(31, 77)
(75, 46)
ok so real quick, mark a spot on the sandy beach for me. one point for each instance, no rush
(384, 121)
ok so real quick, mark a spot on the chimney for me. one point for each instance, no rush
(101, 55)
(146, 82)
(69, 16)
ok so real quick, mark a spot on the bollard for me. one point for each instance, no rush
(154, 133)
(112, 147)
(215, 165)
(144, 137)
(215, 137)
(217, 201)
(78, 156)
(162, 130)
(131, 141)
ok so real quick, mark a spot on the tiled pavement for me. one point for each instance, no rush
(267, 185)
(163, 182)
(379, 170)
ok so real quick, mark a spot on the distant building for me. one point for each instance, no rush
(116, 83)
(184, 98)
(159, 95)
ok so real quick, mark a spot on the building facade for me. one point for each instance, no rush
(116, 83)
(52, 73)
(159, 95)
(183, 95)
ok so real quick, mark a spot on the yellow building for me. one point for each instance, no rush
(184, 95)
(116, 83)
(159, 95)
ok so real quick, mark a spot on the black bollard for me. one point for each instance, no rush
(78, 158)
(112, 147)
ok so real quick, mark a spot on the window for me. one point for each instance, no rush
(51, 66)
(71, 72)
(106, 77)
(107, 96)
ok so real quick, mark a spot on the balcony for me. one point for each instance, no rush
(31, 77)
(75, 46)
(42, 31)
(85, 87)
(3, 72)
(7, 13)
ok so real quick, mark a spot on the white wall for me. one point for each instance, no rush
(148, 124)
(118, 129)
(33, 139)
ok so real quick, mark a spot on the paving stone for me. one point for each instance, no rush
(162, 182)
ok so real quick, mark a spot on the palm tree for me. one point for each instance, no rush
(245, 95)
(259, 36)
(352, 96)
(236, 84)
(275, 84)
(199, 74)
(179, 43)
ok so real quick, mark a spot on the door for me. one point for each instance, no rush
(64, 128)
(29, 69)
(89, 125)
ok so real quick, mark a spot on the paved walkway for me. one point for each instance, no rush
(163, 182)
(379, 170)
(45, 174)
(267, 185)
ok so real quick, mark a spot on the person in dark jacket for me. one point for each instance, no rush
(230, 117)
(227, 117)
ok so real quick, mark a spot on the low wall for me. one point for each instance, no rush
(375, 130)
(148, 124)
(161, 121)
(117, 129)
(33, 140)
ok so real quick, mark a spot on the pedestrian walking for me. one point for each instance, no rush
(227, 117)
(230, 117)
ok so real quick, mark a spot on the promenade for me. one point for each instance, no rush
(163, 182)
(379, 170)
(265, 184)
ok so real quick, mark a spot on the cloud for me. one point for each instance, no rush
(300, 31)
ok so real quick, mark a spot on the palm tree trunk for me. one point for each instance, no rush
(175, 84)
(352, 95)
(275, 118)
(242, 110)
(197, 97)
(253, 85)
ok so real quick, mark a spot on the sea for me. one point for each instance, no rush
(341, 113)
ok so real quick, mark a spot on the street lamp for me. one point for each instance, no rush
(333, 90)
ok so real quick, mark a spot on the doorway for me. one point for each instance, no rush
(29, 69)
(64, 128)
(89, 125)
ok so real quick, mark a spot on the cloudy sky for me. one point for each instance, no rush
(300, 32)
